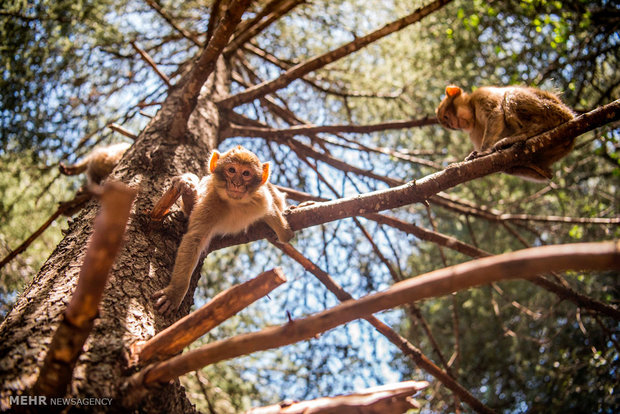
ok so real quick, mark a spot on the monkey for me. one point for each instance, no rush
(98, 164)
(497, 117)
(235, 194)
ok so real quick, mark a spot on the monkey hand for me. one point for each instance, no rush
(167, 300)
(300, 205)
(286, 235)
(187, 184)
(472, 156)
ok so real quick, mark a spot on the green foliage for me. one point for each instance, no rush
(25, 204)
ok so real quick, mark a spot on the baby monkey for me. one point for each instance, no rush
(497, 117)
(235, 195)
(98, 164)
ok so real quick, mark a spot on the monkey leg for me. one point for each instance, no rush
(493, 130)
(169, 299)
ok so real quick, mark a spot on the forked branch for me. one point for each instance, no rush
(318, 62)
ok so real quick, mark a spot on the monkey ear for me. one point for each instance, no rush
(452, 90)
(213, 160)
(266, 173)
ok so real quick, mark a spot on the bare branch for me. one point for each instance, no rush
(393, 398)
(284, 65)
(273, 10)
(224, 305)
(65, 208)
(213, 18)
(145, 56)
(405, 346)
(191, 85)
(171, 22)
(248, 131)
(318, 62)
(520, 264)
(122, 131)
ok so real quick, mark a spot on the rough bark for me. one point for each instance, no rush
(142, 267)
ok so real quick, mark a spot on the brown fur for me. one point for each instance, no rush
(235, 195)
(497, 117)
(98, 164)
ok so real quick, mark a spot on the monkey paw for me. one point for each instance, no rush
(300, 205)
(166, 302)
(286, 235)
(472, 156)
(186, 183)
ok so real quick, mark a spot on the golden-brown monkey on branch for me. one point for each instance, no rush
(236, 194)
(98, 164)
(497, 117)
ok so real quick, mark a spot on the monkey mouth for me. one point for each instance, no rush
(235, 193)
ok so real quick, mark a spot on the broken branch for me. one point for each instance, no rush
(79, 317)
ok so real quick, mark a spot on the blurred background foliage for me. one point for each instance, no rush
(68, 70)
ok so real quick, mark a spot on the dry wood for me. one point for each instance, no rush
(172, 23)
(224, 305)
(403, 344)
(149, 60)
(520, 264)
(162, 207)
(79, 317)
(318, 62)
(247, 131)
(122, 131)
(392, 398)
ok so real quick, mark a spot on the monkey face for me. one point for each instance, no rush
(241, 180)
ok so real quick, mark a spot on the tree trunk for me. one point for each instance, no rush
(143, 266)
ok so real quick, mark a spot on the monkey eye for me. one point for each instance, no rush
(246, 173)
(231, 170)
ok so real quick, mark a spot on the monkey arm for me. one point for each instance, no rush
(169, 298)
(493, 129)
(279, 225)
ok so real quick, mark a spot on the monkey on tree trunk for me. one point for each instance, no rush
(497, 117)
(235, 195)
(98, 164)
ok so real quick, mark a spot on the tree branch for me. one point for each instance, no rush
(423, 189)
(273, 10)
(188, 96)
(318, 62)
(248, 131)
(405, 346)
(393, 398)
(145, 56)
(224, 305)
(171, 22)
(521, 264)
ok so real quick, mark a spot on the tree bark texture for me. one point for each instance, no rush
(142, 267)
